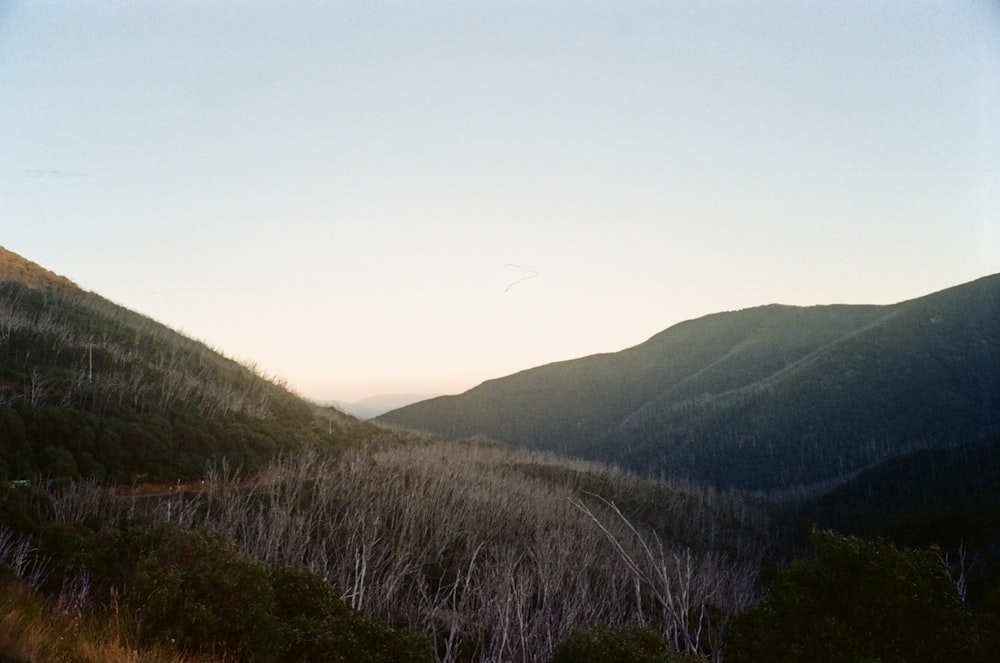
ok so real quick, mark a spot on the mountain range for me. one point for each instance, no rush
(773, 398)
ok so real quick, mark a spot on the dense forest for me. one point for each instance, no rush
(161, 502)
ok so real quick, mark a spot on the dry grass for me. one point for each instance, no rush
(15, 268)
(482, 546)
(497, 554)
(32, 631)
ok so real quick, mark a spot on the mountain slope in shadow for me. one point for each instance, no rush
(770, 398)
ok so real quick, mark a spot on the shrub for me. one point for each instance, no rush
(857, 600)
(319, 627)
(605, 644)
(196, 593)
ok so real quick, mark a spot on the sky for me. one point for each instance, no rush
(413, 197)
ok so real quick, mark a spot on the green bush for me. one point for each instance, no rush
(319, 627)
(25, 509)
(858, 600)
(195, 593)
(605, 644)
(15, 452)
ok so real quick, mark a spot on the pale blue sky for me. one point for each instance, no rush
(334, 189)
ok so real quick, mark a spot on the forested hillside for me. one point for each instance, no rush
(948, 498)
(89, 388)
(943, 497)
(772, 398)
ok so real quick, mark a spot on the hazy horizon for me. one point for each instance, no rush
(417, 197)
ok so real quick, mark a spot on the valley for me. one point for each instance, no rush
(664, 503)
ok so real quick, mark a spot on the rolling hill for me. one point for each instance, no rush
(769, 398)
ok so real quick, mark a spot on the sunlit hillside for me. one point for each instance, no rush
(93, 389)
(17, 268)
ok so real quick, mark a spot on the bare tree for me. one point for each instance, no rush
(490, 550)
(685, 585)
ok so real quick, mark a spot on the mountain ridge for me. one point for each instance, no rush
(768, 398)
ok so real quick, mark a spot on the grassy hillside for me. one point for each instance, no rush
(17, 268)
(769, 398)
(88, 388)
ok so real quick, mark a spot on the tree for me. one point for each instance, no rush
(15, 452)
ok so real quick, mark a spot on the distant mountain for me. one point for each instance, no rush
(773, 398)
(89, 388)
(371, 407)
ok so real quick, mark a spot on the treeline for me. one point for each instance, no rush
(768, 430)
(930, 496)
(66, 443)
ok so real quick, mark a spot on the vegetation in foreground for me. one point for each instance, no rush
(490, 553)
(862, 600)
(34, 629)
(415, 549)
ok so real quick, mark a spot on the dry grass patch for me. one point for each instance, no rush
(32, 631)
